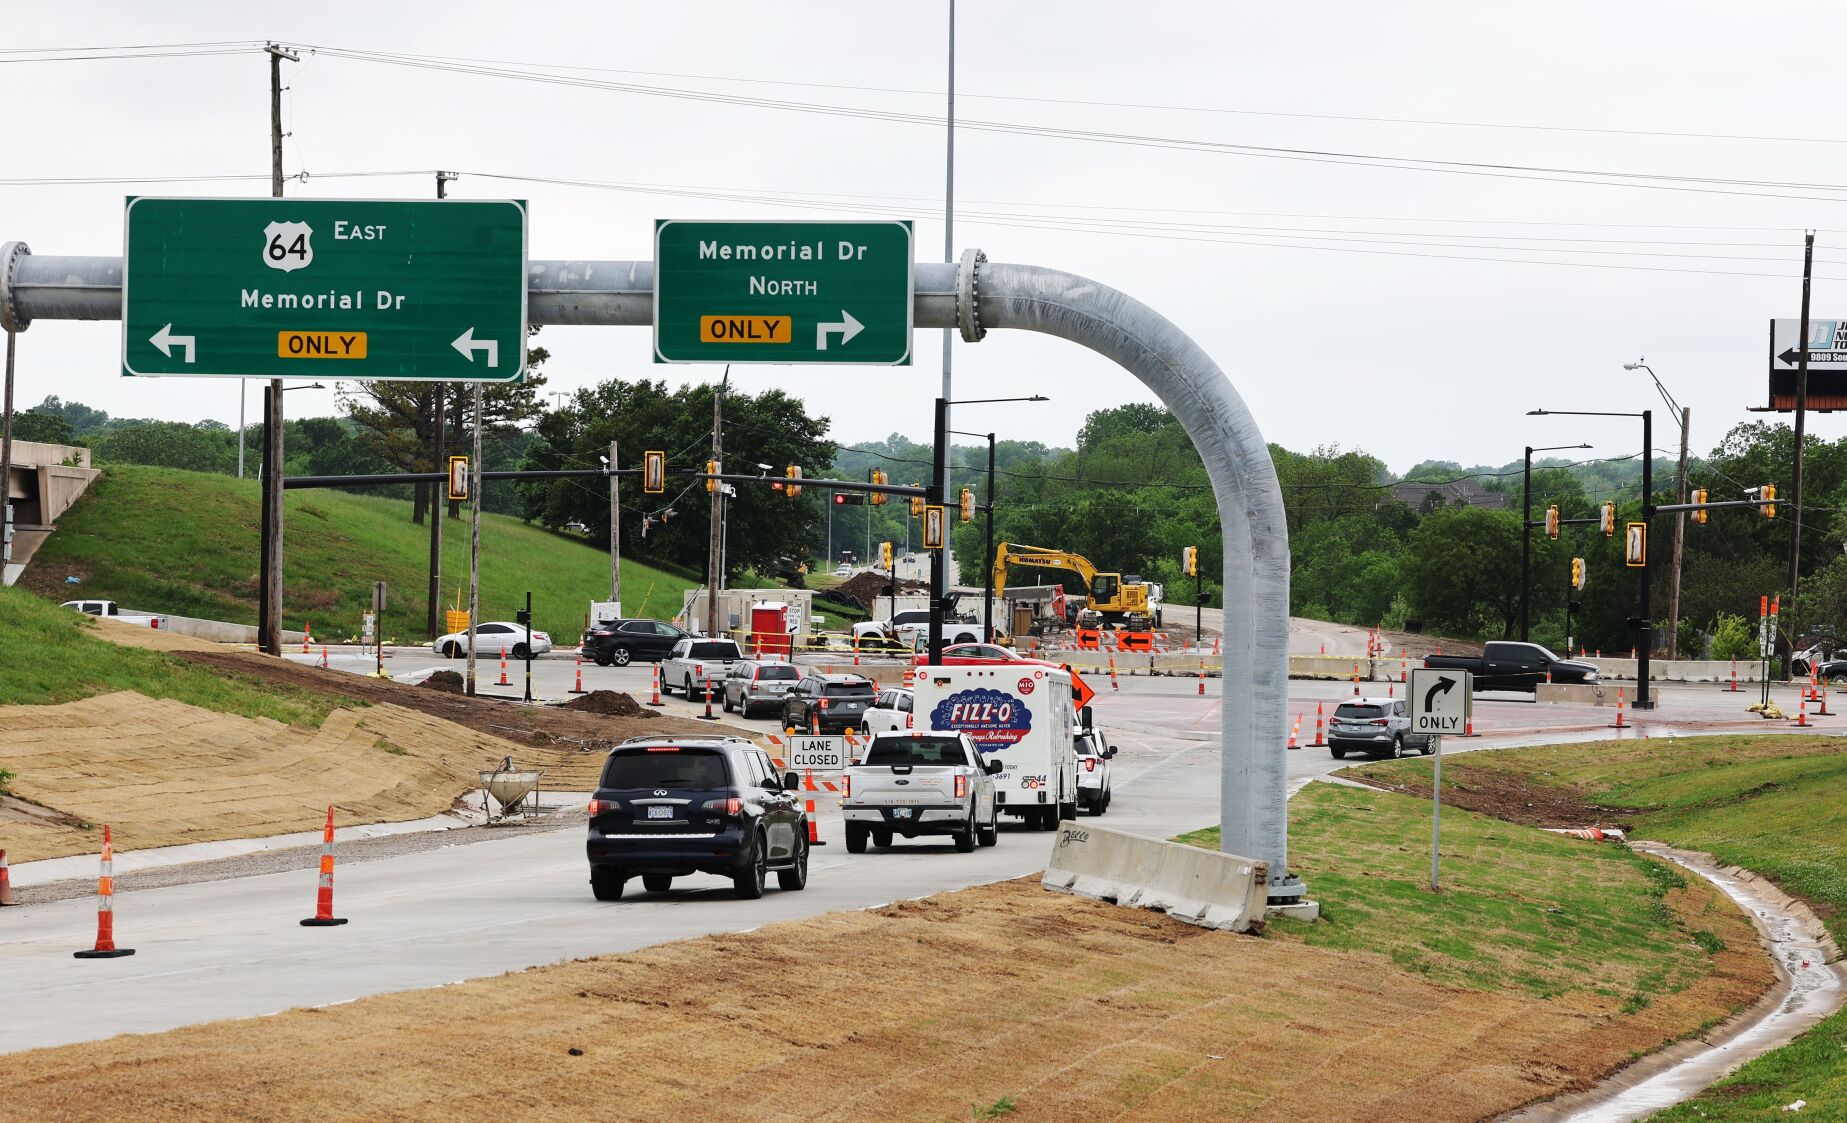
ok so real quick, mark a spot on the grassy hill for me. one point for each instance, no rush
(187, 543)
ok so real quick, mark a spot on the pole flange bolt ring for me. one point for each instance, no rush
(10, 255)
(968, 295)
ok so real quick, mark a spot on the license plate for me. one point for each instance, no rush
(900, 812)
(660, 812)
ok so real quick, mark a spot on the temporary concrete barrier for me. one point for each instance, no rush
(218, 631)
(1199, 886)
(1574, 693)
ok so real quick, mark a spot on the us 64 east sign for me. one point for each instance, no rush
(297, 288)
(782, 292)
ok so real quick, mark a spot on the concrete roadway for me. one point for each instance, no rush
(233, 948)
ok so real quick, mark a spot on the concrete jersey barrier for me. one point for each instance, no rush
(1198, 886)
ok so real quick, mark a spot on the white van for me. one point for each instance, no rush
(1019, 714)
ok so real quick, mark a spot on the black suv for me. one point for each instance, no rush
(668, 807)
(623, 641)
(828, 703)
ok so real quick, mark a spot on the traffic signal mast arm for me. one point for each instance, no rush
(390, 478)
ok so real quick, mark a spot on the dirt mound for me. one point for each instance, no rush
(866, 586)
(449, 682)
(611, 702)
(1505, 795)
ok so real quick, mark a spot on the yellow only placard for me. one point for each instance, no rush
(321, 344)
(746, 329)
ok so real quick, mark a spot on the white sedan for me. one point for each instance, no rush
(495, 636)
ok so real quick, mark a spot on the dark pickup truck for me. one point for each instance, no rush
(1515, 666)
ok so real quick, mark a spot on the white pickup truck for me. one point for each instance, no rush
(109, 610)
(917, 783)
(696, 661)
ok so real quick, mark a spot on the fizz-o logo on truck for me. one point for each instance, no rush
(992, 719)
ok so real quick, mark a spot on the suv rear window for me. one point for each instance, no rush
(845, 689)
(780, 672)
(916, 750)
(725, 650)
(697, 769)
(1358, 711)
(1086, 746)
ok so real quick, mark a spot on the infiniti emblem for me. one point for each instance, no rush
(660, 791)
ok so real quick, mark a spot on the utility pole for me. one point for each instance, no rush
(1802, 402)
(242, 384)
(474, 541)
(988, 562)
(439, 506)
(615, 531)
(939, 570)
(713, 560)
(269, 615)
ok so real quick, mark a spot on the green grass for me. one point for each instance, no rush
(52, 656)
(186, 543)
(1776, 805)
(1520, 909)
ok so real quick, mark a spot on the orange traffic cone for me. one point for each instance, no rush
(1802, 714)
(1320, 729)
(1391, 689)
(656, 699)
(707, 716)
(579, 688)
(814, 828)
(1112, 673)
(1202, 679)
(323, 897)
(1295, 731)
(1620, 724)
(6, 883)
(1404, 672)
(307, 637)
(323, 658)
(105, 908)
(1356, 680)
(503, 667)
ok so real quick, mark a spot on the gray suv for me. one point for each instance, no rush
(1374, 726)
(757, 683)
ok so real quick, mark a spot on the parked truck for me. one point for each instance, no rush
(109, 610)
(1020, 714)
(1506, 665)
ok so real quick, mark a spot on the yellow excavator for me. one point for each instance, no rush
(1113, 601)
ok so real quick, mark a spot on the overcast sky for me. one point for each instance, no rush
(1357, 321)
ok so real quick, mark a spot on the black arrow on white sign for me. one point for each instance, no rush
(1443, 686)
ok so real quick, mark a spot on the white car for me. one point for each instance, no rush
(891, 713)
(1093, 757)
(843, 570)
(494, 637)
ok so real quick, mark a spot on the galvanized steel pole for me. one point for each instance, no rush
(976, 296)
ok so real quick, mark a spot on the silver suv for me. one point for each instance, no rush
(1375, 726)
(757, 683)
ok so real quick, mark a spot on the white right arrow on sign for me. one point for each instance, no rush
(847, 327)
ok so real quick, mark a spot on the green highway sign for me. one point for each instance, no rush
(782, 292)
(323, 288)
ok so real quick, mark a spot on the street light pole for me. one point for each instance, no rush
(1526, 538)
(1685, 417)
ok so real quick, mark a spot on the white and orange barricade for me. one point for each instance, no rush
(323, 894)
(105, 908)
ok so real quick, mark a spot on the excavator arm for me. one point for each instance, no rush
(1007, 554)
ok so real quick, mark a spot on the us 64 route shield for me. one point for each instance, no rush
(782, 292)
(321, 288)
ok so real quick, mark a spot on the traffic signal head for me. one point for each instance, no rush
(1189, 561)
(1699, 496)
(885, 555)
(1606, 520)
(793, 490)
(711, 469)
(917, 505)
(878, 498)
(653, 473)
(1577, 573)
(968, 506)
(1552, 521)
(1767, 501)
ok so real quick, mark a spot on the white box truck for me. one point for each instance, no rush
(1019, 714)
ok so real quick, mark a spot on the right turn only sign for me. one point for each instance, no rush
(1440, 700)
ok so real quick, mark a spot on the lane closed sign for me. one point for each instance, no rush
(1439, 699)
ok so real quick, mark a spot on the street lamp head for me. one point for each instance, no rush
(1535, 413)
(1038, 398)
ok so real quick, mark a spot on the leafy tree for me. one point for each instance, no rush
(49, 428)
(1733, 638)
(82, 419)
(1463, 571)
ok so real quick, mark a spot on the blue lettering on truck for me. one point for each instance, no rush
(992, 719)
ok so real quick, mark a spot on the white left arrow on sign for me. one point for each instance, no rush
(467, 344)
(167, 341)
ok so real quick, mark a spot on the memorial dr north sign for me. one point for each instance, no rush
(299, 288)
(782, 292)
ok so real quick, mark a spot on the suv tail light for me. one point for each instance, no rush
(1090, 764)
(823, 705)
(1379, 721)
(732, 805)
(846, 784)
(907, 720)
(756, 676)
(961, 787)
(598, 806)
